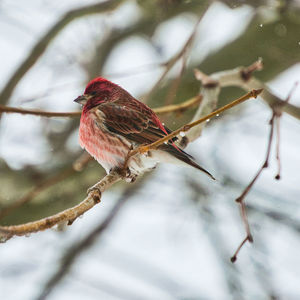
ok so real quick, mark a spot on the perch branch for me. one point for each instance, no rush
(68, 215)
(39, 188)
(76, 250)
(78, 165)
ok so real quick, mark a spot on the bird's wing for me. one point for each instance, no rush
(136, 124)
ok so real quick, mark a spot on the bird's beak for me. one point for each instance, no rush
(82, 99)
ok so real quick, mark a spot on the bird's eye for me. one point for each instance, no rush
(93, 93)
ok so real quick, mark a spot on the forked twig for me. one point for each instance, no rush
(275, 119)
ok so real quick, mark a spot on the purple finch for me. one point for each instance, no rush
(113, 123)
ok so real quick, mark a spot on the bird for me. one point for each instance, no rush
(113, 123)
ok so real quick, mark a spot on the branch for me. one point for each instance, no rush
(174, 59)
(68, 215)
(39, 188)
(78, 165)
(181, 107)
(242, 77)
(43, 43)
(185, 128)
(48, 114)
(36, 112)
(276, 115)
(75, 250)
(210, 91)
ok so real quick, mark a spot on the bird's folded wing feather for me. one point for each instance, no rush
(140, 125)
(136, 125)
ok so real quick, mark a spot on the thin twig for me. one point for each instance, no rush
(174, 59)
(36, 112)
(48, 114)
(277, 110)
(181, 107)
(264, 165)
(185, 128)
(176, 82)
(275, 119)
(278, 175)
(234, 257)
(241, 198)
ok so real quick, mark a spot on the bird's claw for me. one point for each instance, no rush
(127, 175)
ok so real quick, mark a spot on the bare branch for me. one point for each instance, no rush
(210, 91)
(39, 188)
(277, 109)
(275, 119)
(176, 82)
(48, 114)
(174, 59)
(181, 107)
(68, 215)
(185, 128)
(78, 165)
(77, 249)
(234, 257)
(236, 77)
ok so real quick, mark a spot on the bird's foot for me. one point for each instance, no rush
(126, 174)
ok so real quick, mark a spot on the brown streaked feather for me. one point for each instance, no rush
(130, 123)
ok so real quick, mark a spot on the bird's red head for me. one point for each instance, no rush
(97, 91)
(97, 84)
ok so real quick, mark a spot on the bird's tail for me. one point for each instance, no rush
(184, 157)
